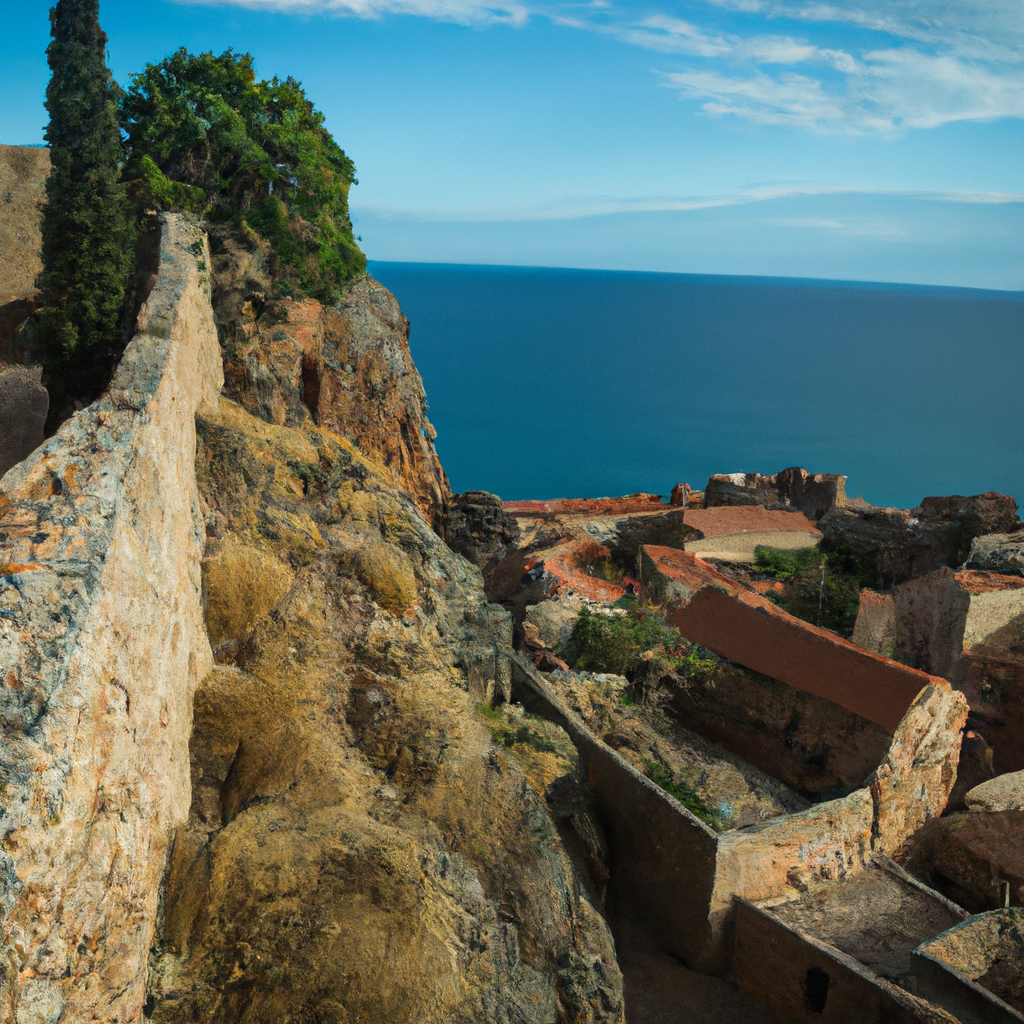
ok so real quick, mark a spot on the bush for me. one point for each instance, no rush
(834, 601)
(614, 643)
(689, 798)
(258, 152)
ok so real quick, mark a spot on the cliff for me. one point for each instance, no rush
(320, 828)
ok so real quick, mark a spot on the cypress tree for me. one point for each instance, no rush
(88, 234)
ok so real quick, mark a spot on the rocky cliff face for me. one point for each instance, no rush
(101, 646)
(346, 368)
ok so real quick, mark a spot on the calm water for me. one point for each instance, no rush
(549, 383)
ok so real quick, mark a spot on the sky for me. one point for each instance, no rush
(878, 140)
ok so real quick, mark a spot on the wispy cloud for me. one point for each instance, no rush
(599, 206)
(904, 64)
(464, 12)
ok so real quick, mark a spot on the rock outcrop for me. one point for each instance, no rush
(998, 552)
(794, 488)
(24, 403)
(101, 646)
(477, 526)
(346, 368)
(902, 544)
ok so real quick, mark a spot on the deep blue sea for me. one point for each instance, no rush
(572, 383)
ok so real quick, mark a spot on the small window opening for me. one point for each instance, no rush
(816, 985)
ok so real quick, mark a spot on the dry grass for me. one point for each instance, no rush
(242, 585)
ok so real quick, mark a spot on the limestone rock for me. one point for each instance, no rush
(477, 526)
(1003, 793)
(903, 544)
(971, 857)
(24, 403)
(998, 552)
(101, 645)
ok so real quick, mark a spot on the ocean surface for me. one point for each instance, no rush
(550, 383)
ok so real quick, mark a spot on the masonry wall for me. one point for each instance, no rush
(101, 645)
(744, 627)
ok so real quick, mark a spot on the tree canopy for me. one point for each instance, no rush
(202, 132)
(88, 235)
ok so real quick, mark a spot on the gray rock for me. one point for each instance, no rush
(24, 403)
(998, 552)
(477, 526)
(1003, 793)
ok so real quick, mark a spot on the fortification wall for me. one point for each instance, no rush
(101, 645)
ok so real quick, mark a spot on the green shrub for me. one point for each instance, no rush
(259, 153)
(689, 798)
(614, 643)
(832, 599)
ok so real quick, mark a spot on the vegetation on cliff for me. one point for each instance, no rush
(88, 234)
(821, 587)
(202, 133)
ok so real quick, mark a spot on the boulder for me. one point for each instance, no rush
(875, 629)
(478, 528)
(998, 552)
(902, 544)
(24, 403)
(1003, 793)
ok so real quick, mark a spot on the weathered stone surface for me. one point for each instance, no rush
(346, 368)
(478, 528)
(358, 848)
(969, 856)
(811, 493)
(101, 645)
(1003, 793)
(875, 629)
(639, 502)
(24, 403)
(998, 552)
(902, 544)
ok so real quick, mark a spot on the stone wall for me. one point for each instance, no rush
(738, 624)
(102, 644)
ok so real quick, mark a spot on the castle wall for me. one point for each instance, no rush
(101, 645)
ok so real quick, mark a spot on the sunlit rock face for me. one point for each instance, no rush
(102, 643)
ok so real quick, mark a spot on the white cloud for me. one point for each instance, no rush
(465, 12)
(917, 64)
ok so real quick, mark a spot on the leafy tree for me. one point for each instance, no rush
(88, 235)
(257, 153)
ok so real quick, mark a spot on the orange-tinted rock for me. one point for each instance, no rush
(346, 368)
(639, 502)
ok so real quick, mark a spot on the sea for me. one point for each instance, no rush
(546, 383)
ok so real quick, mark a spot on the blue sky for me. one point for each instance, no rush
(866, 139)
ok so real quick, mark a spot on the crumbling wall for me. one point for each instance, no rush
(812, 493)
(102, 644)
(741, 625)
